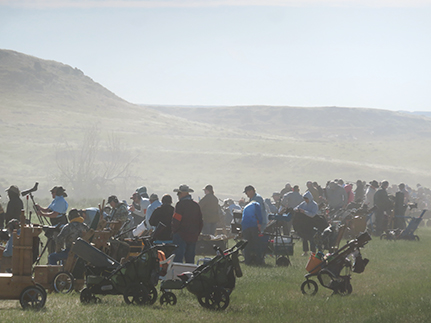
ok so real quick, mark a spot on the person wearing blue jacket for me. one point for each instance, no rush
(309, 208)
(251, 227)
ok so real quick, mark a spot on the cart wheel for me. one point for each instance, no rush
(63, 282)
(283, 261)
(168, 298)
(217, 300)
(152, 295)
(201, 300)
(309, 287)
(32, 297)
(42, 289)
(383, 236)
(87, 297)
(128, 297)
(416, 238)
(139, 296)
(344, 289)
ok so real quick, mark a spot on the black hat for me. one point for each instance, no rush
(112, 198)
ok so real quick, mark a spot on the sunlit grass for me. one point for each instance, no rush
(393, 288)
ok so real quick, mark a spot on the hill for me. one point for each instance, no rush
(59, 126)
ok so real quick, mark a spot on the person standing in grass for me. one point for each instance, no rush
(163, 214)
(309, 208)
(210, 210)
(251, 229)
(187, 224)
(384, 206)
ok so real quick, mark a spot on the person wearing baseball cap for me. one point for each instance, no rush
(154, 204)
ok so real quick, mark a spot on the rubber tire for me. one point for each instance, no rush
(217, 300)
(152, 295)
(63, 282)
(283, 261)
(168, 298)
(306, 290)
(347, 291)
(42, 289)
(32, 297)
(87, 297)
(140, 296)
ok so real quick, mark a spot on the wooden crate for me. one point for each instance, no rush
(44, 275)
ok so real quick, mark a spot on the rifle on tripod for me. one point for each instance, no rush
(28, 193)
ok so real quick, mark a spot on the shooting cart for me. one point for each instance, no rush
(20, 284)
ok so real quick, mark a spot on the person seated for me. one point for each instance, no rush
(6, 259)
(68, 234)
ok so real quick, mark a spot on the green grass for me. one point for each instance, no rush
(393, 288)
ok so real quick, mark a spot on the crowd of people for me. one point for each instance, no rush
(183, 223)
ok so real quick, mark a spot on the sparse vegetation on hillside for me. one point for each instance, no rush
(45, 104)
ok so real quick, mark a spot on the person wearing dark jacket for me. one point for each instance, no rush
(163, 214)
(186, 225)
(14, 206)
(384, 206)
(210, 210)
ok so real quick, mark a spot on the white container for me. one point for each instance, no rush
(282, 240)
(179, 268)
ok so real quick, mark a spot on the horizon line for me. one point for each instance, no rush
(84, 4)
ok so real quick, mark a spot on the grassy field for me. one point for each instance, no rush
(393, 288)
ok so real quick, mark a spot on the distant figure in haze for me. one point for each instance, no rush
(142, 191)
(138, 208)
(312, 190)
(369, 195)
(349, 190)
(309, 208)
(359, 191)
(14, 206)
(229, 206)
(292, 199)
(210, 210)
(274, 206)
(400, 208)
(384, 206)
(287, 188)
(336, 196)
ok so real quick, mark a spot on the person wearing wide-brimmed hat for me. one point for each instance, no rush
(186, 225)
(210, 210)
(56, 211)
(14, 206)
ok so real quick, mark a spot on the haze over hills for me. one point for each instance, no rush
(50, 110)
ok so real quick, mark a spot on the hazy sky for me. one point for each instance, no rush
(374, 54)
